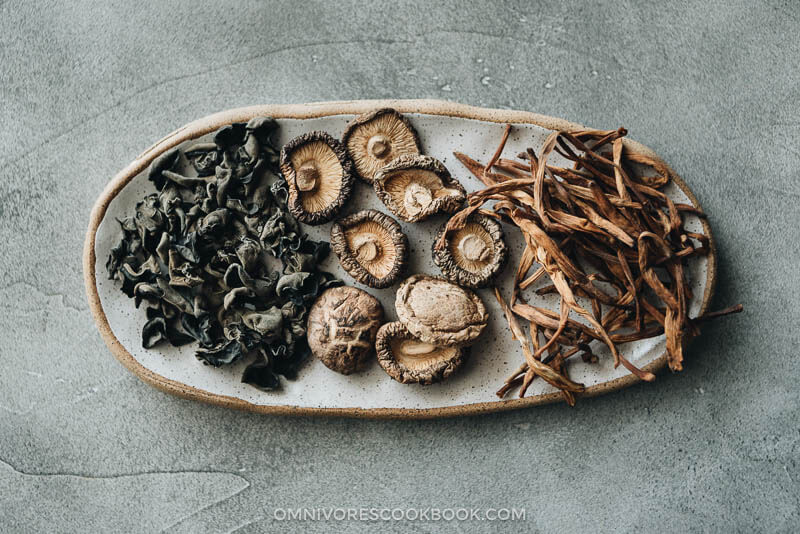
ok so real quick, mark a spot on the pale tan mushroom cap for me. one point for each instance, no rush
(409, 360)
(371, 247)
(439, 312)
(416, 187)
(473, 246)
(342, 326)
(319, 176)
(474, 254)
(375, 139)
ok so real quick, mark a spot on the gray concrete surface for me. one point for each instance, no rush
(711, 85)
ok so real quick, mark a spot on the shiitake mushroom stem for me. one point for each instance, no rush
(367, 247)
(473, 248)
(417, 198)
(307, 177)
(415, 347)
(379, 145)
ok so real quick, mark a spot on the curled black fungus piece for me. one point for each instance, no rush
(319, 175)
(196, 254)
(260, 375)
(165, 162)
(371, 246)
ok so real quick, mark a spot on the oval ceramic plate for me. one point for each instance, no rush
(443, 127)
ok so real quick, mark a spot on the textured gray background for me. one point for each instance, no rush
(85, 446)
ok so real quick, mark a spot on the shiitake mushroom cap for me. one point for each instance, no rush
(342, 326)
(371, 246)
(319, 175)
(414, 187)
(409, 360)
(473, 255)
(374, 139)
(439, 312)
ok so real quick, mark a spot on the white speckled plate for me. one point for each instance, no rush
(443, 127)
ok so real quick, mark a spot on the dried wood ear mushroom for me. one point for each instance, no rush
(416, 187)
(411, 361)
(371, 247)
(473, 255)
(319, 175)
(196, 251)
(375, 139)
(342, 326)
(439, 312)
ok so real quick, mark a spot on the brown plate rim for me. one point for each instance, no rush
(321, 109)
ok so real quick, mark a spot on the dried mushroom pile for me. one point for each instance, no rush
(196, 254)
(438, 319)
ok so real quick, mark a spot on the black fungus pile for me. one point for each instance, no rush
(197, 253)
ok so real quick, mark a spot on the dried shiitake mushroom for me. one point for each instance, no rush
(375, 139)
(342, 326)
(439, 312)
(371, 247)
(409, 360)
(416, 187)
(473, 255)
(319, 175)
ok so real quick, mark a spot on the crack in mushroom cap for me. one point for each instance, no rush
(371, 247)
(342, 326)
(416, 187)
(473, 255)
(439, 312)
(319, 175)
(376, 138)
(411, 361)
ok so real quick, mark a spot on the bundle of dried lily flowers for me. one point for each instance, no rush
(600, 232)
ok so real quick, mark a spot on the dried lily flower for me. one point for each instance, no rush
(597, 214)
